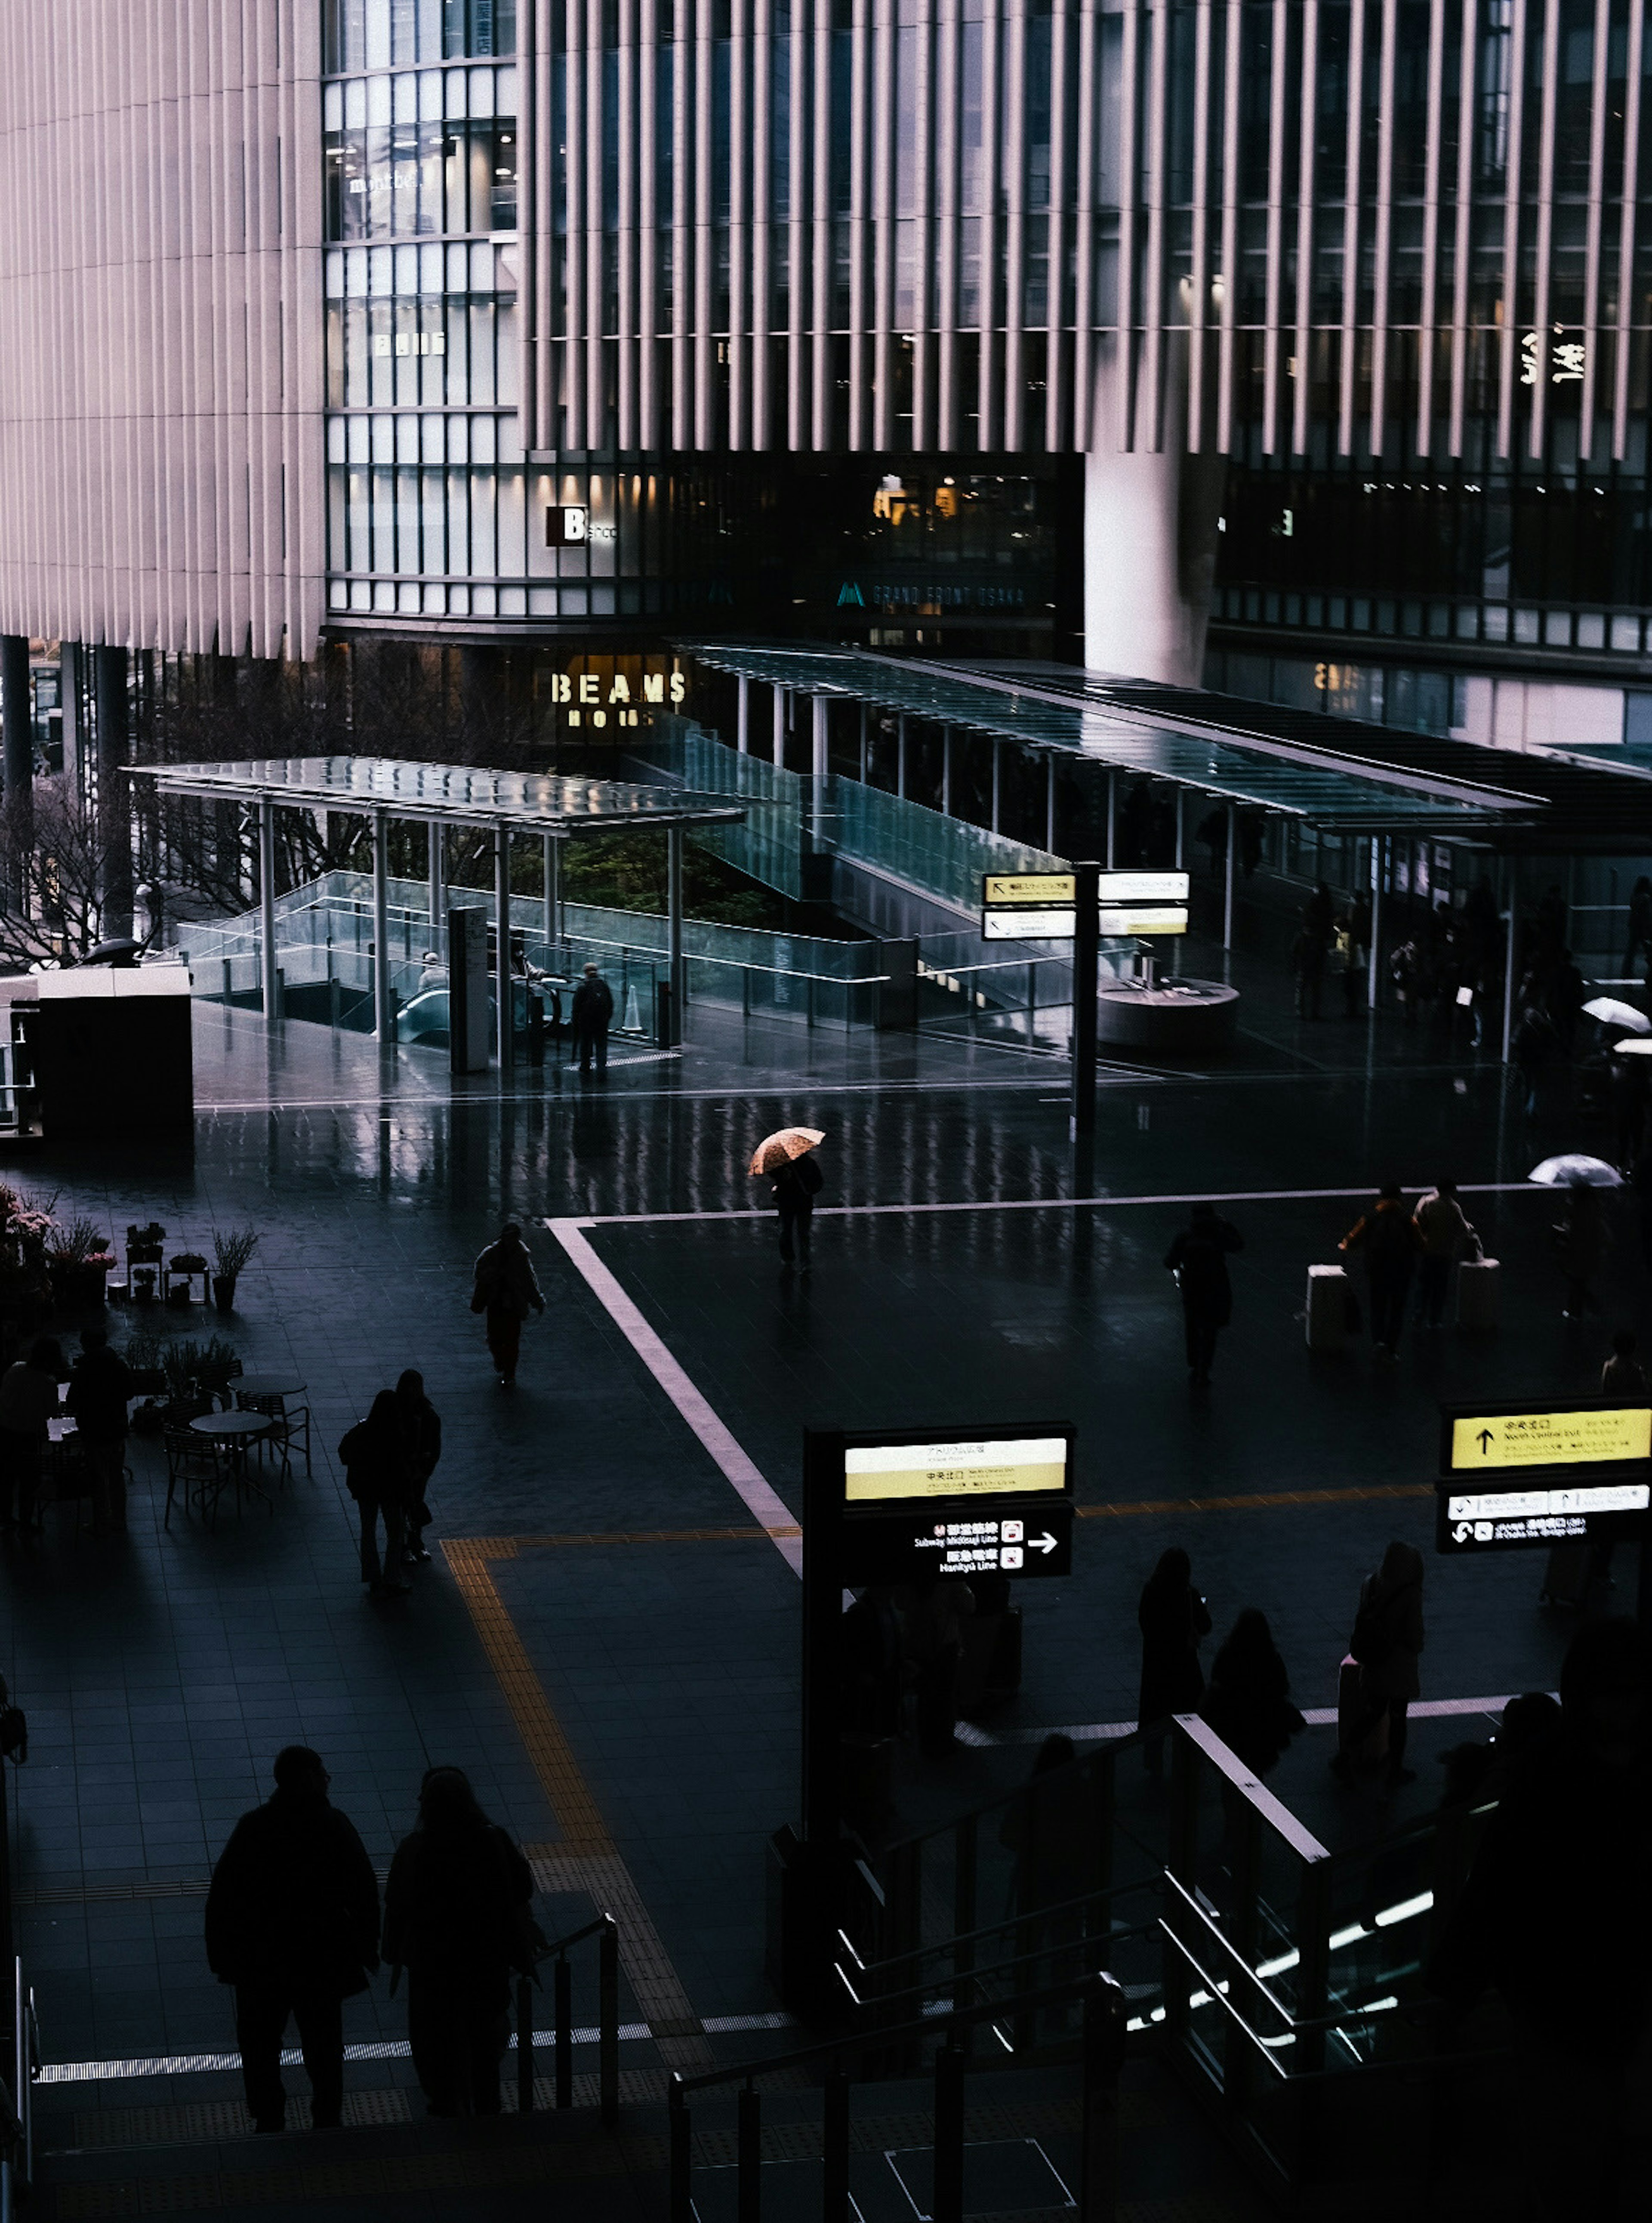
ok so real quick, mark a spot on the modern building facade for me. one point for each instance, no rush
(1015, 326)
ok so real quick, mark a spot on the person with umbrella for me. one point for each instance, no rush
(787, 1161)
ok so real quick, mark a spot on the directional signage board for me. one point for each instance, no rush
(1539, 1435)
(998, 1502)
(1039, 906)
(1503, 1520)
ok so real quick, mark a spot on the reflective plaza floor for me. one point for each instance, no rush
(607, 1638)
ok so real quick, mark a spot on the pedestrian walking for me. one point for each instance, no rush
(1174, 1621)
(591, 1016)
(1639, 940)
(457, 1919)
(1445, 1235)
(1582, 1239)
(506, 1290)
(1198, 1258)
(1346, 964)
(1390, 1242)
(1308, 964)
(797, 1183)
(292, 1923)
(101, 1387)
(378, 1473)
(1387, 1643)
(29, 1399)
(421, 1426)
(1532, 1049)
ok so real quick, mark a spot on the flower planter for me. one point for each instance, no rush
(224, 1292)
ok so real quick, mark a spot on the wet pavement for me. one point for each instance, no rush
(160, 1675)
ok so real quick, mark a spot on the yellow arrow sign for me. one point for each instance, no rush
(1560, 1439)
(1029, 887)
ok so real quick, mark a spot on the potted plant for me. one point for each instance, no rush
(231, 1253)
(187, 1268)
(78, 1259)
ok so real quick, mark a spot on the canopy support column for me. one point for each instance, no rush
(1372, 960)
(779, 751)
(901, 754)
(1049, 802)
(674, 923)
(1181, 829)
(1112, 816)
(865, 744)
(384, 1024)
(553, 882)
(435, 843)
(266, 909)
(502, 999)
(997, 780)
(743, 727)
(1227, 882)
(946, 770)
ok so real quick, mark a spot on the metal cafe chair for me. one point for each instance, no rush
(291, 1427)
(199, 1465)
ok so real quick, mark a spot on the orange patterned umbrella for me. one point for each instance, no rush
(790, 1143)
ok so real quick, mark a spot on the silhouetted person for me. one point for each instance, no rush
(932, 1609)
(1638, 942)
(1308, 954)
(591, 1016)
(1445, 1235)
(1391, 1242)
(506, 1290)
(1582, 1239)
(1198, 1258)
(1054, 1833)
(456, 1919)
(292, 1923)
(1622, 1375)
(101, 1387)
(797, 1183)
(378, 1473)
(1248, 1702)
(29, 1399)
(1387, 1641)
(422, 1425)
(1174, 1621)
(1556, 1916)
(1532, 1048)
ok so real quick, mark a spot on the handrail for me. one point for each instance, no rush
(961, 1978)
(17, 2163)
(1010, 1922)
(1255, 1792)
(605, 1930)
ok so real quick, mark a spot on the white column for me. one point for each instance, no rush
(1181, 829)
(946, 769)
(433, 834)
(1227, 884)
(1049, 802)
(743, 741)
(865, 743)
(552, 870)
(673, 922)
(1372, 972)
(1112, 814)
(266, 907)
(901, 754)
(502, 948)
(819, 756)
(779, 726)
(383, 1025)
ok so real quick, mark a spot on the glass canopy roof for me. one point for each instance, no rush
(1277, 776)
(465, 795)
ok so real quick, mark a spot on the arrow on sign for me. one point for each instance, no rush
(1043, 1543)
(1485, 1439)
(1462, 1532)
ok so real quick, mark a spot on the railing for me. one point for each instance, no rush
(1599, 627)
(1101, 2051)
(606, 1930)
(17, 2102)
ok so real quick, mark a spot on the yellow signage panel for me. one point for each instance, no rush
(1030, 888)
(1610, 1437)
(1148, 918)
(960, 1470)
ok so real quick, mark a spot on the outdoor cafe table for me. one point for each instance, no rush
(235, 1432)
(267, 1385)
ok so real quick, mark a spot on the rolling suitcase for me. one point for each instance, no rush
(1327, 1315)
(1479, 1287)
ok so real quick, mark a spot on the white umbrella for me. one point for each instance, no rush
(1572, 1169)
(1611, 1013)
(1633, 1046)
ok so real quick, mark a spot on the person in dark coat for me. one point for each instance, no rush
(593, 1015)
(1248, 1701)
(423, 1426)
(29, 1400)
(456, 1919)
(1582, 1239)
(101, 1387)
(506, 1289)
(1392, 1242)
(1174, 1621)
(378, 1473)
(292, 1923)
(1638, 942)
(1198, 1258)
(797, 1183)
(1387, 1641)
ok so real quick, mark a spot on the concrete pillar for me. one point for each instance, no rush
(1049, 802)
(73, 729)
(268, 984)
(779, 751)
(16, 716)
(436, 848)
(946, 770)
(1150, 533)
(674, 923)
(114, 798)
(502, 997)
(1112, 814)
(743, 725)
(1374, 971)
(383, 1024)
(819, 755)
(901, 755)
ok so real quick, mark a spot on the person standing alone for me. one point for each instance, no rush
(506, 1290)
(593, 1015)
(101, 1387)
(1198, 1258)
(292, 1923)
(1387, 1642)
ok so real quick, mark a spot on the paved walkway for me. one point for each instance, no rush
(608, 1639)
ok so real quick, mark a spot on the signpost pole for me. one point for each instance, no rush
(822, 1635)
(1086, 969)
